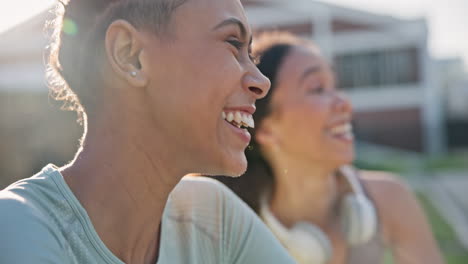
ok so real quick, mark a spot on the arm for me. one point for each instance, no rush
(25, 237)
(403, 221)
(245, 238)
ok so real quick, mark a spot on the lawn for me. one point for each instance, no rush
(452, 249)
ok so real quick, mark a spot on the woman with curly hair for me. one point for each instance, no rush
(154, 82)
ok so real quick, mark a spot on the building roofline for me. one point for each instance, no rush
(303, 10)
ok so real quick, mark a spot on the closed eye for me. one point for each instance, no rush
(236, 44)
(239, 45)
(317, 90)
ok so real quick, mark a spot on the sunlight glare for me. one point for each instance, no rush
(13, 12)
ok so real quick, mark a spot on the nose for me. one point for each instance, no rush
(256, 83)
(342, 103)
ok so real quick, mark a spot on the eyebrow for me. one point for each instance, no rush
(234, 21)
(311, 70)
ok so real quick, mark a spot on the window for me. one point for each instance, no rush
(378, 68)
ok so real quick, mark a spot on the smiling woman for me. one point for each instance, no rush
(300, 180)
(164, 88)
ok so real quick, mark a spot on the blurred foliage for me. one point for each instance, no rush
(34, 132)
(454, 161)
(452, 249)
(427, 165)
(390, 166)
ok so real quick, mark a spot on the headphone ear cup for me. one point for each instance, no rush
(305, 242)
(359, 219)
(308, 244)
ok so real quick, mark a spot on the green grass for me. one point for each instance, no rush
(455, 161)
(451, 248)
(449, 162)
(390, 166)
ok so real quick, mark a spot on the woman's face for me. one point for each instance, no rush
(311, 119)
(201, 76)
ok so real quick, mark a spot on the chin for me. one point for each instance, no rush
(233, 166)
(346, 156)
(341, 160)
(347, 160)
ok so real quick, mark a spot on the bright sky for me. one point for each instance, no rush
(13, 12)
(447, 19)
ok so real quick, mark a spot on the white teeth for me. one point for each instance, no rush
(240, 118)
(230, 117)
(251, 122)
(248, 120)
(342, 129)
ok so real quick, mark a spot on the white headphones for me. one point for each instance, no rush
(308, 244)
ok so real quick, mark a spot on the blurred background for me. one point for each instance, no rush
(403, 63)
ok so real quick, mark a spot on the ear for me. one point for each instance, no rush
(265, 134)
(123, 47)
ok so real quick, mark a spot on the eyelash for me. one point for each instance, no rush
(317, 90)
(239, 45)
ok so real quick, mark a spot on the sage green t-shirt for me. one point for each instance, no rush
(41, 221)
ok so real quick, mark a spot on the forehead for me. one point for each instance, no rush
(296, 64)
(204, 13)
(299, 59)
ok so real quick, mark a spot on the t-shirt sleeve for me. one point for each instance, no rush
(245, 238)
(25, 236)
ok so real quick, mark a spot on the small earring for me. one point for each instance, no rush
(133, 73)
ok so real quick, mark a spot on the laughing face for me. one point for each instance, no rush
(311, 118)
(204, 86)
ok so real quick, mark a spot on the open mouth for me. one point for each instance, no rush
(238, 119)
(344, 130)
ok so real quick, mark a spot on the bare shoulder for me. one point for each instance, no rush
(390, 193)
(404, 224)
(384, 185)
(393, 199)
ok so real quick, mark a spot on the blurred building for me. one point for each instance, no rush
(382, 63)
(33, 129)
(453, 79)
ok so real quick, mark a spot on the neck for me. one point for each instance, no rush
(123, 180)
(304, 191)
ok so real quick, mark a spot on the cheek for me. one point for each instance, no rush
(302, 129)
(198, 77)
(195, 81)
(306, 119)
(227, 72)
(216, 75)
